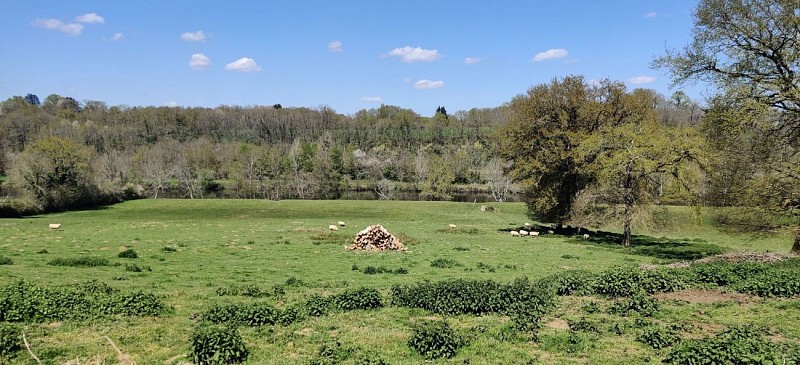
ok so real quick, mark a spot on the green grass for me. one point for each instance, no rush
(232, 243)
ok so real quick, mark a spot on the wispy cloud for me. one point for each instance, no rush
(199, 61)
(372, 99)
(410, 54)
(244, 64)
(550, 54)
(171, 104)
(117, 37)
(90, 18)
(428, 84)
(196, 36)
(335, 46)
(641, 80)
(73, 29)
(472, 60)
(651, 14)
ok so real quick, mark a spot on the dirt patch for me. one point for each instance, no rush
(307, 331)
(698, 296)
(558, 324)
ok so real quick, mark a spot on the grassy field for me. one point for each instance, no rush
(190, 248)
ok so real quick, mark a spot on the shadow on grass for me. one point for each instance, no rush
(662, 248)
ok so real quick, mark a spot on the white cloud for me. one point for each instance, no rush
(641, 80)
(195, 36)
(73, 29)
(651, 14)
(372, 99)
(199, 61)
(409, 54)
(171, 104)
(117, 37)
(550, 54)
(335, 46)
(428, 84)
(90, 18)
(472, 60)
(244, 64)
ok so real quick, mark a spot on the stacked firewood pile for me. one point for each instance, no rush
(376, 238)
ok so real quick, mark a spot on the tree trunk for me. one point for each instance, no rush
(796, 246)
(627, 222)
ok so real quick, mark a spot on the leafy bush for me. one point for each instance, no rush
(258, 314)
(435, 339)
(775, 284)
(639, 303)
(574, 282)
(736, 345)
(656, 337)
(664, 281)
(333, 353)
(6, 261)
(133, 304)
(618, 281)
(591, 308)
(371, 270)
(133, 268)
(79, 262)
(10, 339)
(169, 249)
(583, 325)
(316, 306)
(129, 253)
(445, 263)
(362, 298)
(218, 345)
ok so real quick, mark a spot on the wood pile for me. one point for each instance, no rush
(376, 238)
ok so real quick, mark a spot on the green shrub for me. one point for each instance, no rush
(640, 303)
(435, 339)
(218, 345)
(618, 281)
(583, 325)
(784, 284)
(134, 304)
(6, 261)
(133, 268)
(362, 298)
(288, 316)
(224, 313)
(574, 282)
(169, 249)
(445, 263)
(401, 271)
(129, 253)
(79, 262)
(333, 353)
(10, 339)
(591, 308)
(656, 337)
(316, 306)
(736, 345)
(258, 314)
(664, 280)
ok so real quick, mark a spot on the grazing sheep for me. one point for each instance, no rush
(483, 208)
(55, 225)
(341, 223)
(515, 233)
(551, 232)
(333, 228)
(452, 226)
(534, 234)
(523, 232)
(527, 224)
(586, 236)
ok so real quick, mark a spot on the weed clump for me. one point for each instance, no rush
(445, 263)
(218, 345)
(362, 298)
(6, 261)
(640, 303)
(10, 340)
(656, 337)
(736, 345)
(79, 262)
(435, 339)
(129, 253)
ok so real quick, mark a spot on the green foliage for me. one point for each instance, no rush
(316, 306)
(6, 261)
(771, 284)
(445, 263)
(656, 337)
(583, 325)
(640, 303)
(618, 281)
(435, 339)
(23, 301)
(361, 298)
(129, 253)
(218, 345)
(333, 353)
(250, 290)
(736, 345)
(87, 261)
(169, 249)
(372, 270)
(574, 282)
(10, 340)
(253, 315)
(664, 280)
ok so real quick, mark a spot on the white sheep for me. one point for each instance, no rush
(527, 224)
(483, 208)
(333, 227)
(55, 225)
(515, 233)
(452, 225)
(523, 232)
(534, 234)
(586, 236)
(551, 232)
(341, 223)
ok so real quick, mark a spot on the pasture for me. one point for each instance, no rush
(190, 251)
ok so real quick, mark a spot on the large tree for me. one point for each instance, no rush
(750, 49)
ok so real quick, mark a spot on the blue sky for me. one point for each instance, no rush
(349, 55)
